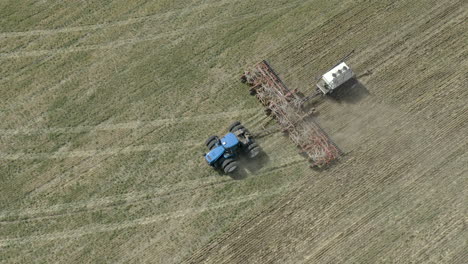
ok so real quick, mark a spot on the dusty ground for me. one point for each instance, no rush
(105, 107)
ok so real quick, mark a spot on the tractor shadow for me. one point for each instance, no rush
(350, 92)
(250, 166)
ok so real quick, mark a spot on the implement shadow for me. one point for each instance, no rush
(350, 92)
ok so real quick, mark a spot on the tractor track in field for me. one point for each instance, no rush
(57, 210)
(96, 152)
(110, 227)
(87, 36)
(120, 43)
(109, 202)
(98, 228)
(126, 125)
(130, 21)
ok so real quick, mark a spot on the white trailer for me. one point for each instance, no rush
(334, 78)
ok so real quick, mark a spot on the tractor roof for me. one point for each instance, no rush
(229, 140)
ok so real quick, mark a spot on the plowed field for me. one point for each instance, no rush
(105, 106)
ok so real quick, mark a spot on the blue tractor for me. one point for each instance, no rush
(223, 153)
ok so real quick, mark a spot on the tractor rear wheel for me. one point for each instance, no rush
(253, 149)
(229, 165)
(230, 128)
(237, 128)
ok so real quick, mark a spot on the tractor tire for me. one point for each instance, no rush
(229, 165)
(237, 128)
(211, 142)
(211, 145)
(253, 150)
(230, 128)
(225, 162)
(208, 141)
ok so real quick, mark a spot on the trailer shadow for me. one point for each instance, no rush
(350, 92)
(250, 166)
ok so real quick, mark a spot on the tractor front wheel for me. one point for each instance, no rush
(211, 142)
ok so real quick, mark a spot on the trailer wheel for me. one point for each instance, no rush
(230, 128)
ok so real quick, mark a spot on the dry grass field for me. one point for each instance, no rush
(105, 106)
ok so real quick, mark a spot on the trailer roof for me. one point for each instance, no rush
(338, 75)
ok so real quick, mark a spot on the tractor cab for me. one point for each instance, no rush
(230, 142)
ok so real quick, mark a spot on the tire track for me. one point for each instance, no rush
(135, 197)
(58, 210)
(164, 35)
(125, 125)
(143, 19)
(95, 152)
(99, 228)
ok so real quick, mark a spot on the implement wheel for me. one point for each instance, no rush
(243, 79)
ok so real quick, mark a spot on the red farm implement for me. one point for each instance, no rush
(286, 107)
